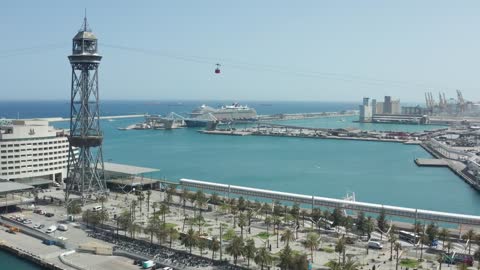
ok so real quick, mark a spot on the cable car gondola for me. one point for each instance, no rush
(217, 70)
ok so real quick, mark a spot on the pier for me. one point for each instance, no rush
(278, 130)
(430, 162)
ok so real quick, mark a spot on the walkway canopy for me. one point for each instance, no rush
(418, 214)
(127, 177)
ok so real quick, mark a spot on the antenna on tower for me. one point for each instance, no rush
(85, 27)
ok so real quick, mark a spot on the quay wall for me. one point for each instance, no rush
(29, 257)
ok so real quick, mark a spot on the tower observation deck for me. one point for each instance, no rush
(85, 176)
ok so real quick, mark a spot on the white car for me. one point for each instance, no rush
(167, 268)
(36, 226)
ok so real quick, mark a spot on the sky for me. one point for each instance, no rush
(269, 50)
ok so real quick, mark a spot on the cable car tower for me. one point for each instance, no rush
(85, 176)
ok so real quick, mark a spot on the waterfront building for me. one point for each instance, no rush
(396, 108)
(31, 149)
(365, 111)
(374, 107)
(379, 108)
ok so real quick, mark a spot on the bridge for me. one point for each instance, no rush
(412, 213)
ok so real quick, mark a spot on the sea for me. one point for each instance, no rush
(376, 172)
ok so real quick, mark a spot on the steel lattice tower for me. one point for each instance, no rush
(85, 175)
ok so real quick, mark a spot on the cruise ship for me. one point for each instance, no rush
(226, 113)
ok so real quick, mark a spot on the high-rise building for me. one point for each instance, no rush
(374, 107)
(379, 108)
(387, 105)
(365, 111)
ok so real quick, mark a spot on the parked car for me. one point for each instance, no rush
(51, 229)
(27, 221)
(36, 226)
(374, 245)
(41, 226)
(62, 227)
(49, 215)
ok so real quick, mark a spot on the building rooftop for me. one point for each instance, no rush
(127, 169)
(8, 186)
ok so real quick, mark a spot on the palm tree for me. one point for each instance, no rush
(249, 218)
(443, 234)
(268, 222)
(249, 250)
(201, 200)
(173, 235)
(140, 198)
(183, 198)
(468, 237)
(440, 260)
(369, 227)
(202, 244)
(161, 233)
(397, 248)
(287, 236)
(263, 257)
(163, 210)
(171, 190)
(190, 239)
(149, 193)
(199, 221)
(154, 206)
(423, 240)
(340, 248)
(392, 239)
(235, 248)
(214, 246)
(311, 242)
(152, 226)
(242, 222)
(277, 221)
(303, 212)
(286, 258)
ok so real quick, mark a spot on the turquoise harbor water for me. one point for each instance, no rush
(377, 172)
(9, 262)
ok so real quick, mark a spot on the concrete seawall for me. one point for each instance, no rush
(28, 256)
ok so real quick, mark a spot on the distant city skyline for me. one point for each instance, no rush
(269, 50)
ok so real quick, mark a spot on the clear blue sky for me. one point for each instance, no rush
(270, 50)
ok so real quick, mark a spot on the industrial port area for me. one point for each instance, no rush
(63, 207)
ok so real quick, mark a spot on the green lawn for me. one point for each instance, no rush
(263, 235)
(410, 263)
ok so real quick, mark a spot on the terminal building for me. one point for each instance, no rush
(390, 111)
(32, 151)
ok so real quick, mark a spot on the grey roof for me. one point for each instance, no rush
(84, 35)
(9, 186)
(35, 181)
(127, 169)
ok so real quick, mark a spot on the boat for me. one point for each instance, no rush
(226, 113)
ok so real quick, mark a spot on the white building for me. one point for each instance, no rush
(31, 149)
(365, 111)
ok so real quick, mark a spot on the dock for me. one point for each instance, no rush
(226, 132)
(431, 162)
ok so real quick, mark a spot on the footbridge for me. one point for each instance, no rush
(412, 213)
